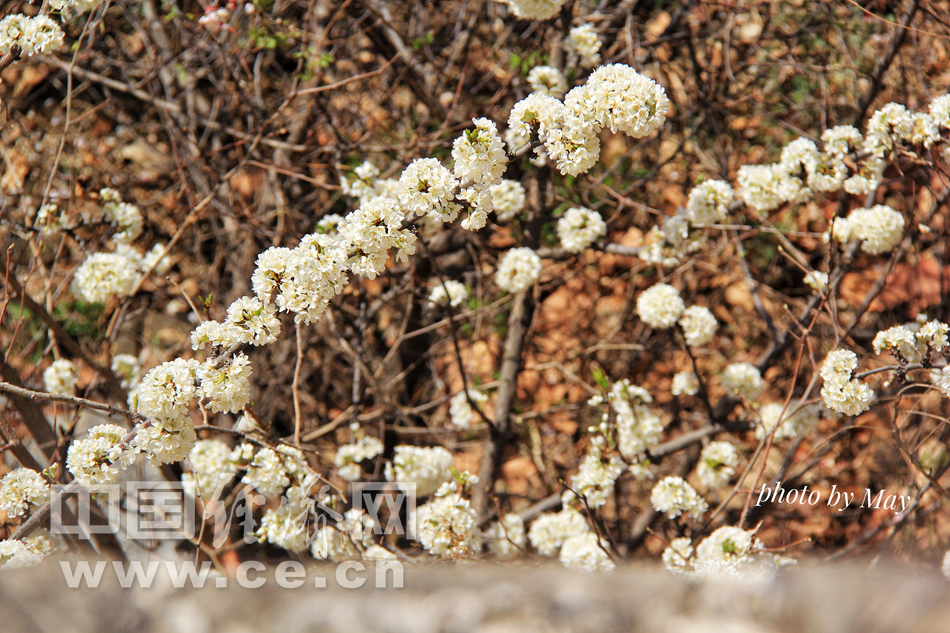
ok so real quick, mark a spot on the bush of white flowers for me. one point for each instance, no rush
(677, 448)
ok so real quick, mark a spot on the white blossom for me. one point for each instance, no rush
(288, 525)
(105, 275)
(743, 379)
(349, 456)
(596, 476)
(254, 321)
(793, 421)
(616, 96)
(709, 201)
(685, 383)
(548, 80)
(584, 42)
(638, 426)
(60, 377)
(879, 228)
(940, 110)
(22, 489)
(428, 188)
(214, 464)
(518, 270)
(816, 280)
(508, 199)
(660, 306)
(127, 368)
(699, 325)
(227, 388)
(840, 392)
(506, 538)
(673, 496)
(461, 411)
(717, 464)
(31, 35)
(376, 227)
(549, 531)
(898, 339)
(97, 460)
(427, 468)
(580, 227)
(448, 526)
(18, 553)
(584, 551)
(449, 292)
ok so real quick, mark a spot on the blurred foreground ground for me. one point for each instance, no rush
(833, 599)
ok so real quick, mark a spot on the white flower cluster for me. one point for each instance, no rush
(98, 459)
(365, 187)
(128, 370)
(840, 392)
(548, 80)
(508, 198)
(796, 421)
(519, 269)
(685, 383)
(214, 464)
(449, 292)
(534, 9)
(717, 464)
(427, 468)
(349, 456)
(127, 217)
(20, 490)
(580, 227)
(227, 388)
(729, 553)
(879, 228)
(249, 321)
(638, 426)
(660, 306)
(708, 202)
(505, 538)
(699, 325)
(448, 526)
(585, 44)
(288, 526)
(899, 340)
(350, 536)
(461, 411)
(272, 471)
(103, 276)
(50, 219)
(61, 377)
(32, 36)
(674, 239)
(615, 96)
(940, 110)
(596, 475)
(163, 396)
(568, 531)
(26, 552)
(549, 531)
(743, 379)
(803, 169)
(673, 496)
(480, 162)
(585, 552)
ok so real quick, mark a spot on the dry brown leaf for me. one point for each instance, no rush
(656, 26)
